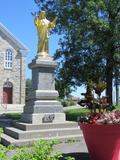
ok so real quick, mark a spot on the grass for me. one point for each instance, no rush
(72, 115)
(1, 130)
(117, 107)
(13, 116)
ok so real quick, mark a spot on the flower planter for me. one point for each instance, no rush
(103, 140)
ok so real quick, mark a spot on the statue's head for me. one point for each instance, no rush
(42, 14)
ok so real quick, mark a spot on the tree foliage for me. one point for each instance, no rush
(63, 89)
(28, 88)
(91, 39)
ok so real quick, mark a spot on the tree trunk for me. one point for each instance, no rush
(117, 92)
(110, 55)
(109, 77)
(117, 84)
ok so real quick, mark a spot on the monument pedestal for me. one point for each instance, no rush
(42, 106)
(43, 116)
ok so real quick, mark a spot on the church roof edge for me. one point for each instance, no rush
(18, 44)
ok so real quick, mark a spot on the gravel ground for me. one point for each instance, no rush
(78, 150)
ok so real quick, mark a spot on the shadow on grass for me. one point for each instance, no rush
(13, 116)
(6, 119)
(77, 156)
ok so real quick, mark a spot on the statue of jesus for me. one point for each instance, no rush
(43, 26)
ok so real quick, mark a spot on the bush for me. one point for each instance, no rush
(67, 103)
(41, 150)
(3, 151)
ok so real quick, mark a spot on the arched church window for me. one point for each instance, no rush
(8, 59)
(8, 84)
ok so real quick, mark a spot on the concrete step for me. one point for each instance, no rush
(7, 140)
(20, 134)
(29, 126)
(11, 106)
(4, 108)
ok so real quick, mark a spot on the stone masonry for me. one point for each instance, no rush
(43, 103)
(16, 75)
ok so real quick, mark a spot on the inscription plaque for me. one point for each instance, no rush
(48, 118)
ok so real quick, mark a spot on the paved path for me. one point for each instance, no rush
(19, 108)
(78, 150)
(71, 107)
(11, 108)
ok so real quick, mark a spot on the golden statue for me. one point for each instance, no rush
(43, 26)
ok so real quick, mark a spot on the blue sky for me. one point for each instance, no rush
(16, 16)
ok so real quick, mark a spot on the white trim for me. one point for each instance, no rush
(8, 59)
(18, 44)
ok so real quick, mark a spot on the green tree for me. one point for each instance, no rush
(99, 88)
(91, 39)
(28, 88)
(63, 89)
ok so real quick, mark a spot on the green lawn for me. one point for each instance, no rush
(1, 130)
(118, 107)
(72, 115)
(14, 116)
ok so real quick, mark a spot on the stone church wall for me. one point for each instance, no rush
(13, 74)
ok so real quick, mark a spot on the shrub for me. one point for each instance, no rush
(41, 150)
(67, 103)
(3, 151)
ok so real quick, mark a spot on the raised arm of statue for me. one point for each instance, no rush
(53, 23)
(35, 20)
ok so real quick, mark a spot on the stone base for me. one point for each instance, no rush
(42, 55)
(44, 95)
(43, 106)
(45, 62)
(43, 118)
(26, 133)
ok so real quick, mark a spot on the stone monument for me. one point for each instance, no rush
(43, 105)
(43, 115)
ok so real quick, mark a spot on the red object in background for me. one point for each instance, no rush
(7, 95)
(103, 140)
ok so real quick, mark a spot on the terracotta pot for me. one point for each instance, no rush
(102, 140)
